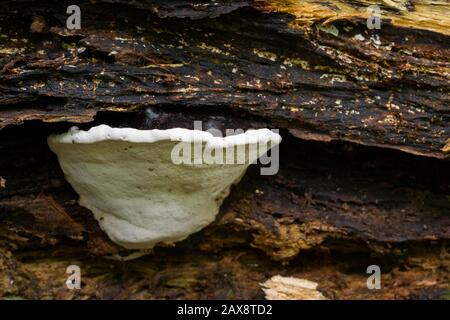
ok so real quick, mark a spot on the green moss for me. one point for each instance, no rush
(68, 46)
(297, 62)
(265, 54)
(331, 29)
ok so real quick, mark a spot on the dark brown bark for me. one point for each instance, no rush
(364, 170)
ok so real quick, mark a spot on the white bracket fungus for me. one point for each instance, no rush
(129, 180)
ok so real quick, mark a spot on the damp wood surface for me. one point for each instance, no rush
(364, 171)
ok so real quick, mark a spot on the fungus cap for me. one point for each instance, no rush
(128, 179)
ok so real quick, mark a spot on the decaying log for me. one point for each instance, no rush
(364, 165)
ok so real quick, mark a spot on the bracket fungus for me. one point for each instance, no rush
(140, 191)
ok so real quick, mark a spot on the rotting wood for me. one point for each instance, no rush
(342, 199)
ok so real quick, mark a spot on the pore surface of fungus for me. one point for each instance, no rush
(140, 194)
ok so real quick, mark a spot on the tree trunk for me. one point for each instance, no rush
(364, 115)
